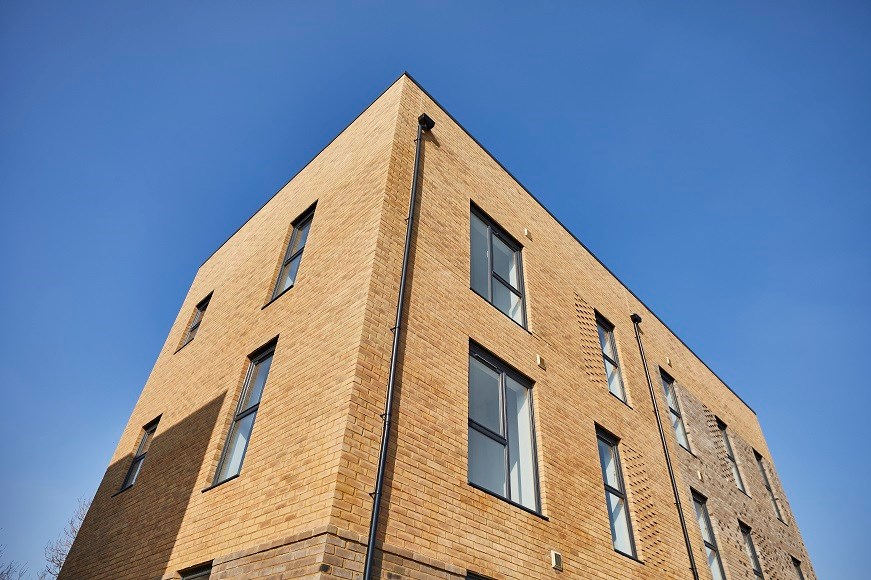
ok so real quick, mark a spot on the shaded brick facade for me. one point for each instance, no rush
(300, 507)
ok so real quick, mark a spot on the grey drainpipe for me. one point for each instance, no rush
(636, 320)
(424, 125)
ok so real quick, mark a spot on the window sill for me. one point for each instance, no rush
(220, 483)
(277, 296)
(122, 490)
(688, 451)
(621, 400)
(630, 556)
(745, 493)
(508, 501)
(484, 298)
(184, 345)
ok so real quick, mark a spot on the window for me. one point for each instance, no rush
(293, 255)
(711, 551)
(194, 326)
(609, 355)
(501, 439)
(680, 431)
(496, 268)
(796, 565)
(139, 456)
(750, 549)
(198, 573)
(243, 420)
(615, 494)
(730, 456)
(767, 485)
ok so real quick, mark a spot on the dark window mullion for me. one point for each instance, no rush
(244, 413)
(292, 257)
(489, 433)
(508, 285)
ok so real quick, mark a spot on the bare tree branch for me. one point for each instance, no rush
(11, 570)
(56, 551)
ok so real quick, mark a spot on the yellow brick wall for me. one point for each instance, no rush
(301, 506)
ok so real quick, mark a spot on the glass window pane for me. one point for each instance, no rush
(256, 382)
(133, 472)
(619, 524)
(521, 469)
(669, 394)
(146, 442)
(714, 562)
(300, 236)
(507, 301)
(608, 460)
(505, 262)
(615, 380)
(487, 463)
(679, 430)
(737, 475)
(606, 341)
(237, 444)
(287, 277)
(702, 517)
(480, 257)
(484, 406)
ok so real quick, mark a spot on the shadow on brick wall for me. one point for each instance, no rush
(132, 534)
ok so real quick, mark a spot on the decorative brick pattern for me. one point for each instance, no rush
(301, 505)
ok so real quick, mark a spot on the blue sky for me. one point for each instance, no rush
(716, 156)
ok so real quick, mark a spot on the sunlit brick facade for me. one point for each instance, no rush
(242, 479)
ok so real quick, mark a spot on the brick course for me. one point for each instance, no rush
(301, 506)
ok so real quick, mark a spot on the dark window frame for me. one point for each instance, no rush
(796, 566)
(504, 369)
(305, 218)
(750, 548)
(668, 383)
(254, 359)
(730, 455)
(135, 468)
(613, 442)
(197, 320)
(767, 483)
(608, 327)
(200, 572)
(494, 229)
(700, 500)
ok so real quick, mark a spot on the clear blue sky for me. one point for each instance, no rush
(717, 156)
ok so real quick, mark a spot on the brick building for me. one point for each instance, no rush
(544, 422)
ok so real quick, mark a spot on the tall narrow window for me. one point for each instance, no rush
(747, 536)
(674, 413)
(496, 268)
(609, 356)
(194, 326)
(243, 419)
(730, 456)
(767, 484)
(615, 494)
(501, 439)
(293, 255)
(796, 566)
(711, 551)
(139, 456)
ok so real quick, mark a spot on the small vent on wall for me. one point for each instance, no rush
(556, 560)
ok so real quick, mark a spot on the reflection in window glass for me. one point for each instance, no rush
(501, 437)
